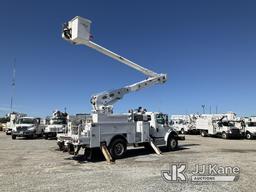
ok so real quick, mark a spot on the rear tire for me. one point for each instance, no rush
(203, 133)
(13, 136)
(118, 148)
(46, 136)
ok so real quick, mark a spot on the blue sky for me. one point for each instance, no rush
(207, 48)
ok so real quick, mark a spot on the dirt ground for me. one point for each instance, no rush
(38, 165)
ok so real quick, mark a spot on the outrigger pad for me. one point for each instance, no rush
(106, 154)
(156, 149)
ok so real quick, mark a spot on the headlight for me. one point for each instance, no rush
(31, 128)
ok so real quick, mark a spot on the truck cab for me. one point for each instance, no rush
(250, 128)
(27, 127)
(227, 129)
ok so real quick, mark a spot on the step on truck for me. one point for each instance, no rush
(73, 122)
(28, 127)
(57, 124)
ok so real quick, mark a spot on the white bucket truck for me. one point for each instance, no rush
(58, 123)
(223, 125)
(184, 123)
(113, 132)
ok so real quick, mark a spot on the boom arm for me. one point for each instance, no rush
(77, 31)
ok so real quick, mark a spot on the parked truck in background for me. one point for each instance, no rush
(250, 127)
(29, 127)
(11, 124)
(57, 124)
(184, 123)
(223, 125)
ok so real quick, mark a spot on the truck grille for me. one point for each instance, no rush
(235, 131)
(19, 129)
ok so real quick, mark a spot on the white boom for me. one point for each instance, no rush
(77, 31)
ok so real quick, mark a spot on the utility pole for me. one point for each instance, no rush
(13, 84)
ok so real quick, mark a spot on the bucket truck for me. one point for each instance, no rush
(223, 125)
(114, 132)
(58, 123)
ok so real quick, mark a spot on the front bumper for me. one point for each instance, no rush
(23, 133)
(8, 132)
(234, 135)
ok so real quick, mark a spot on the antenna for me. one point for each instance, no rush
(13, 83)
(203, 107)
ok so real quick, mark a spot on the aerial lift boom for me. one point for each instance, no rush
(77, 31)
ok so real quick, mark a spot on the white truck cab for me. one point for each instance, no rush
(250, 127)
(27, 127)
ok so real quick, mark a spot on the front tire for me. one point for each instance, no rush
(172, 144)
(248, 135)
(13, 136)
(224, 135)
(118, 148)
(71, 149)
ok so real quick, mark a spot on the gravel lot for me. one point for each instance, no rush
(37, 165)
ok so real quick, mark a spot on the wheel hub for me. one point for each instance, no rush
(119, 149)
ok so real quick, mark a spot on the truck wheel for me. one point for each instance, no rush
(117, 148)
(224, 135)
(204, 133)
(248, 135)
(46, 136)
(71, 149)
(61, 145)
(182, 131)
(172, 143)
(13, 136)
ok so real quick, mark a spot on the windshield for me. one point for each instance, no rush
(58, 121)
(162, 119)
(25, 121)
(252, 124)
(228, 124)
